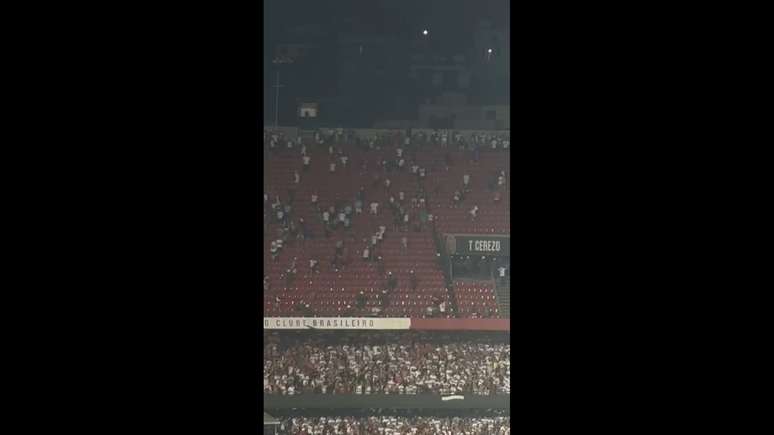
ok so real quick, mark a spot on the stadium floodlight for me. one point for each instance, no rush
(425, 32)
(489, 51)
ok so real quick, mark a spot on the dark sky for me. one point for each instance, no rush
(448, 19)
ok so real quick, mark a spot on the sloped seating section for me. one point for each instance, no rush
(331, 292)
(476, 299)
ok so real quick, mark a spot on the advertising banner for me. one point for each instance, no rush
(338, 323)
(375, 324)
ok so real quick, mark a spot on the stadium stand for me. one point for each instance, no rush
(419, 425)
(386, 363)
(307, 275)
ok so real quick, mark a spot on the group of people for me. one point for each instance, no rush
(396, 425)
(385, 363)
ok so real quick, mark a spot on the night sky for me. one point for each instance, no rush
(356, 93)
(449, 19)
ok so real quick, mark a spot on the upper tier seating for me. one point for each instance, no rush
(329, 293)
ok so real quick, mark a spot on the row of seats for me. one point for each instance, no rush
(328, 292)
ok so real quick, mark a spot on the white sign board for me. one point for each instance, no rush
(338, 323)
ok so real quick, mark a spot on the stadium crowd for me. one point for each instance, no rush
(394, 425)
(385, 363)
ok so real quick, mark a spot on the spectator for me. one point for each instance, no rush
(314, 265)
(473, 213)
(392, 281)
(342, 216)
(361, 299)
(374, 208)
(366, 254)
(339, 247)
(466, 181)
(332, 167)
(501, 275)
(307, 161)
(296, 179)
(290, 274)
(413, 280)
(404, 244)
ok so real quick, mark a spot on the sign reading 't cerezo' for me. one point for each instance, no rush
(484, 245)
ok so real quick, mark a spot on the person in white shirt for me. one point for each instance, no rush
(326, 216)
(502, 270)
(366, 254)
(296, 177)
(401, 196)
(375, 208)
(306, 160)
(387, 183)
(466, 180)
(473, 212)
(332, 167)
(399, 151)
(344, 160)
